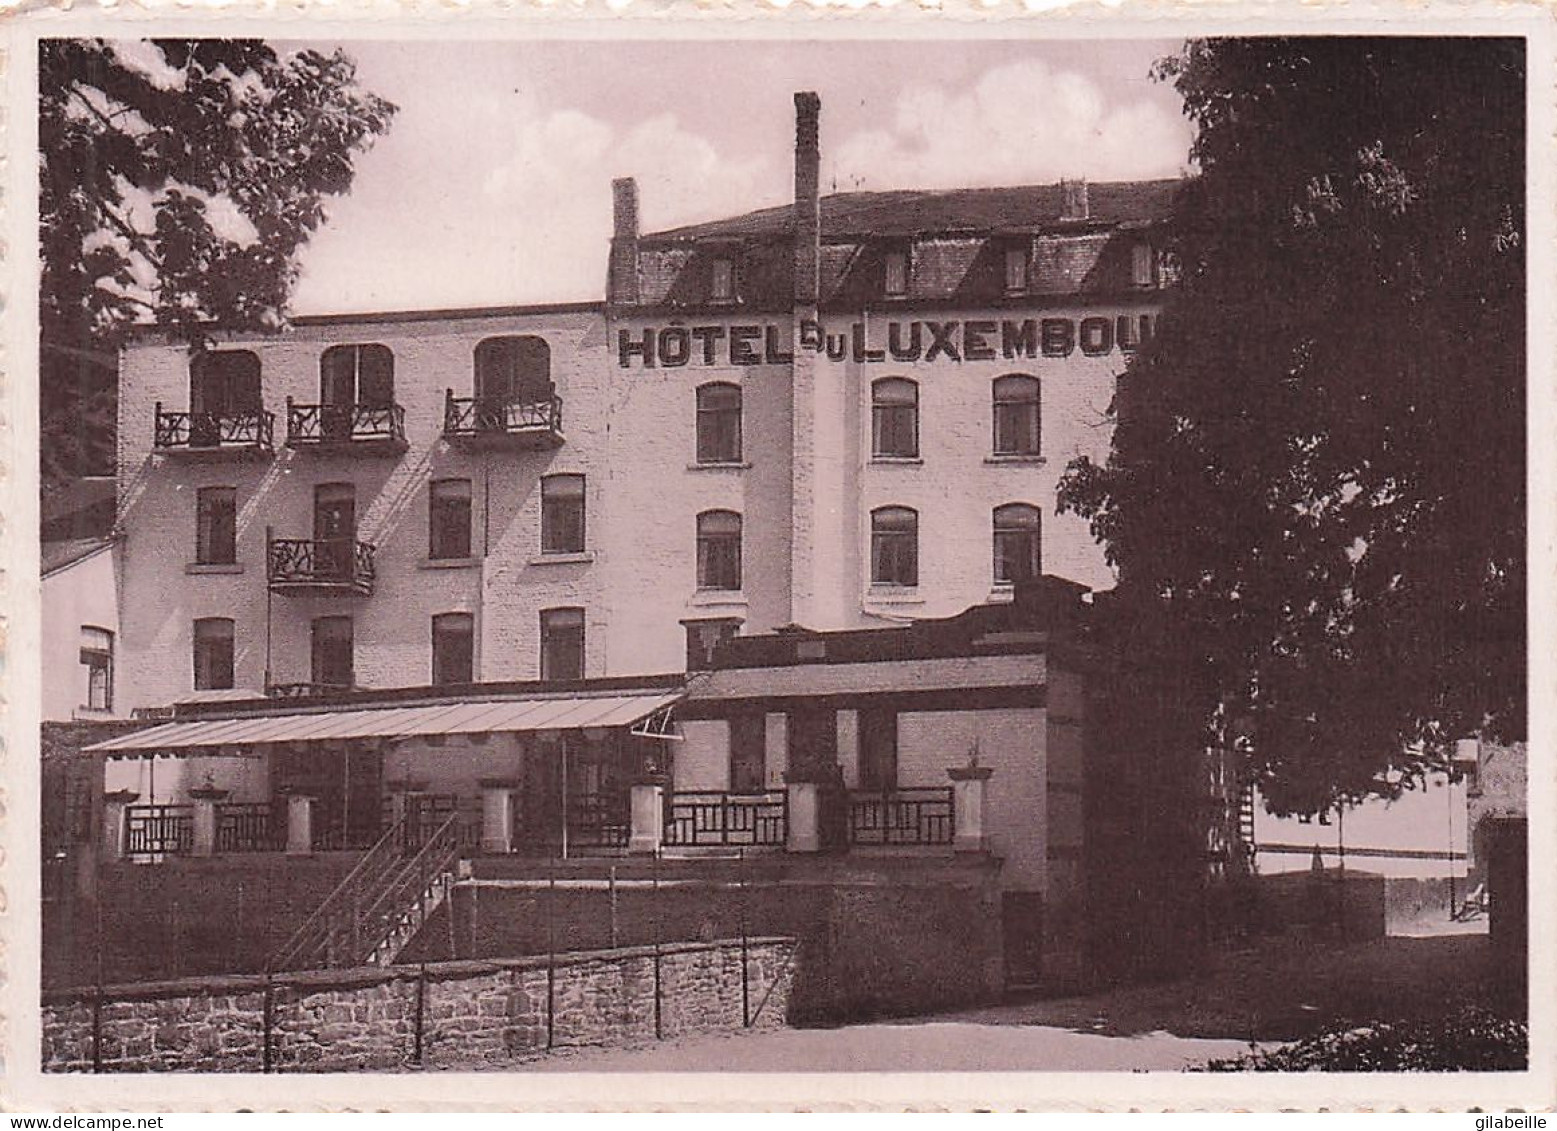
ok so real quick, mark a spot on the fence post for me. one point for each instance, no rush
(421, 1012)
(551, 954)
(97, 1029)
(267, 1022)
(745, 974)
(659, 1028)
(611, 885)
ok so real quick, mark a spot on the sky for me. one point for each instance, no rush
(493, 185)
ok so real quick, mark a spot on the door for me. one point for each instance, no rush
(337, 391)
(335, 529)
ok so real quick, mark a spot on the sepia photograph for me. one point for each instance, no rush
(618, 553)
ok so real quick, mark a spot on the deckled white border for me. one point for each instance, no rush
(24, 1088)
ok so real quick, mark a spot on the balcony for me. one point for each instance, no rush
(206, 435)
(355, 428)
(340, 566)
(526, 426)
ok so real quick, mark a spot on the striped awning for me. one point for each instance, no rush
(523, 715)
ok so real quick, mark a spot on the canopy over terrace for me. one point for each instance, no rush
(335, 759)
(557, 713)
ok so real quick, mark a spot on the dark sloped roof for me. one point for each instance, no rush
(58, 555)
(917, 212)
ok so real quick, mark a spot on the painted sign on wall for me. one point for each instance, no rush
(954, 340)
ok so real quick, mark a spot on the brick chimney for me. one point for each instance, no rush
(808, 175)
(622, 278)
(1073, 200)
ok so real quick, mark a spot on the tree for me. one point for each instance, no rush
(178, 181)
(1318, 465)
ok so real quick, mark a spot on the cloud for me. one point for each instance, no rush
(1020, 123)
(537, 226)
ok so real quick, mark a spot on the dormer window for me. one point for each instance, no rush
(895, 284)
(1016, 270)
(1143, 266)
(722, 282)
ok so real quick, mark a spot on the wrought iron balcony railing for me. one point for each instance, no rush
(208, 432)
(921, 815)
(358, 427)
(307, 690)
(536, 424)
(334, 565)
(725, 819)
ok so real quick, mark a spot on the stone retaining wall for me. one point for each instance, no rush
(441, 1014)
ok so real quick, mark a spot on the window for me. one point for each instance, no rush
(357, 375)
(719, 424)
(216, 526)
(894, 546)
(454, 648)
(748, 753)
(878, 749)
(894, 418)
(562, 643)
(718, 550)
(213, 653)
(333, 664)
(703, 637)
(97, 657)
(513, 371)
(1016, 416)
(1016, 270)
(895, 283)
(562, 514)
(722, 281)
(1142, 265)
(448, 519)
(1018, 542)
(225, 383)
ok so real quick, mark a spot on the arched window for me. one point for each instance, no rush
(223, 385)
(213, 657)
(1018, 542)
(1016, 415)
(718, 550)
(513, 370)
(719, 423)
(894, 418)
(453, 648)
(357, 376)
(894, 546)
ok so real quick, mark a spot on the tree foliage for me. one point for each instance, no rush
(1318, 465)
(178, 181)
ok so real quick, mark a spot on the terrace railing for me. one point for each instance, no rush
(159, 830)
(249, 827)
(902, 816)
(251, 431)
(337, 564)
(474, 418)
(599, 820)
(718, 819)
(368, 427)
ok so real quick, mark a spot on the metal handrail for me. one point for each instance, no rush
(377, 859)
(413, 877)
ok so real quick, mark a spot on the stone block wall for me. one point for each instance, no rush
(448, 1014)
